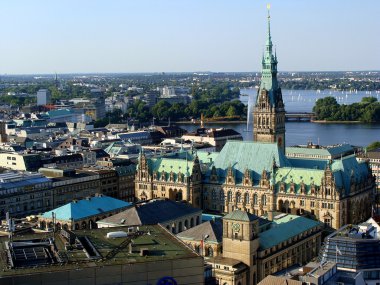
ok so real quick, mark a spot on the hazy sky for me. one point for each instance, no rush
(71, 36)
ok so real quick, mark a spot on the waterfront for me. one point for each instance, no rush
(302, 132)
(304, 100)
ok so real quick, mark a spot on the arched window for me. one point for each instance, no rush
(246, 198)
(178, 196)
(255, 199)
(238, 197)
(229, 196)
(210, 252)
(263, 200)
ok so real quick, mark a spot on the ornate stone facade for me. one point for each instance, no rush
(177, 177)
(258, 178)
(269, 110)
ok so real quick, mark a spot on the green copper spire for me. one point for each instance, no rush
(269, 110)
(269, 66)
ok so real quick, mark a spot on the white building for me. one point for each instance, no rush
(43, 97)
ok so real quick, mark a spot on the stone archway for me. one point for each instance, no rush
(280, 207)
(293, 209)
(287, 206)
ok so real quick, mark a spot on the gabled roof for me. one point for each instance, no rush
(290, 175)
(213, 229)
(151, 213)
(346, 168)
(82, 209)
(255, 156)
(239, 215)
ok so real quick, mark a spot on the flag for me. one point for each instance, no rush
(268, 6)
(337, 250)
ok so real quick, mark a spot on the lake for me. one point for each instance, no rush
(302, 132)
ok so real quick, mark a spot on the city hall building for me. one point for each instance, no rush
(263, 176)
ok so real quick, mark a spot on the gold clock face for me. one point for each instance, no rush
(236, 227)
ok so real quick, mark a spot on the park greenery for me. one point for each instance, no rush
(366, 111)
(215, 101)
(373, 146)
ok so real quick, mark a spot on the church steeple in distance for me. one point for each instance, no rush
(269, 110)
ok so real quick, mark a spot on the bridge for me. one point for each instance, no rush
(299, 116)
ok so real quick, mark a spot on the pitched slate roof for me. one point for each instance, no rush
(82, 209)
(212, 228)
(255, 156)
(239, 215)
(151, 213)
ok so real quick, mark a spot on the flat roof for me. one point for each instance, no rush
(160, 244)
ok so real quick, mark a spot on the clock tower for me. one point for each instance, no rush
(269, 109)
(241, 240)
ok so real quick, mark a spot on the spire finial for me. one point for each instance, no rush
(268, 7)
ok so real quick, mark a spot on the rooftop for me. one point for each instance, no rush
(150, 213)
(88, 207)
(239, 215)
(285, 227)
(92, 248)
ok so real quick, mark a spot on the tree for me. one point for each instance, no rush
(373, 146)
(369, 100)
(231, 111)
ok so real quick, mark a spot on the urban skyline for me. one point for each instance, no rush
(168, 36)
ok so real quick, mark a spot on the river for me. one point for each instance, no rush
(302, 132)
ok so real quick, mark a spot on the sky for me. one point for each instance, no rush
(88, 36)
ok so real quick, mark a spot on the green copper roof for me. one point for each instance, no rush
(307, 151)
(285, 228)
(269, 69)
(288, 175)
(255, 156)
(348, 168)
(322, 152)
(239, 215)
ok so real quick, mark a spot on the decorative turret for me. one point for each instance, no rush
(269, 111)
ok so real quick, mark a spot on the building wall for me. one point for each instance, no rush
(127, 187)
(163, 185)
(184, 271)
(13, 161)
(27, 200)
(295, 251)
(66, 191)
(325, 202)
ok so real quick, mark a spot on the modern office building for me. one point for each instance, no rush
(43, 97)
(355, 248)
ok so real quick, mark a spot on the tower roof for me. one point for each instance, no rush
(269, 67)
(239, 215)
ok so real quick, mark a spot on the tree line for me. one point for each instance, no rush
(366, 111)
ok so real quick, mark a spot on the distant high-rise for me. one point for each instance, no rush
(43, 97)
(269, 110)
